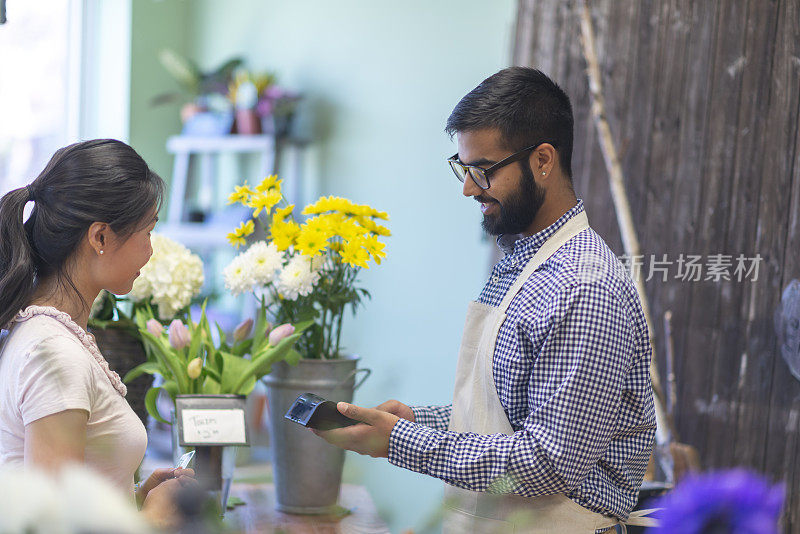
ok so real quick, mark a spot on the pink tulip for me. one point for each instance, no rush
(178, 335)
(280, 332)
(154, 327)
(243, 330)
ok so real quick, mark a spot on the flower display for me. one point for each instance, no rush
(191, 362)
(171, 278)
(307, 268)
(735, 501)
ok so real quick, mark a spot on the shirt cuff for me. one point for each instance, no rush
(407, 443)
(436, 417)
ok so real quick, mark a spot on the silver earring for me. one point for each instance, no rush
(544, 173)
(101, 252)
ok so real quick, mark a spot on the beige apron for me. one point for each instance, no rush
(477, 408)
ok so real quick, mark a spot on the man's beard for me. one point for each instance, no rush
(516, 213)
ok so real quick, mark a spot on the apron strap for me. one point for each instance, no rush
(637, 519)
(570, 229)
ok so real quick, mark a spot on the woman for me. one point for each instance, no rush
(94, 206)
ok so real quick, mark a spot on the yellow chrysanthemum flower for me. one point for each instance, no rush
(373, 227)
(311, 242)
(281, 213)
(329, 203)
(284, 234)
(237, 237)
(349, 230)
(353, 253)
(241, 193)
(375, 248)
(326, 223)
(264, 201)
(379, 214)
(269, 183)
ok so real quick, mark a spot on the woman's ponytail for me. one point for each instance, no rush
(17, 263)
(102, 180)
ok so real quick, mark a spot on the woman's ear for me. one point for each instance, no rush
(97, 236)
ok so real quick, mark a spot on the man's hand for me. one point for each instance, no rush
(397, 408)
(371, 438)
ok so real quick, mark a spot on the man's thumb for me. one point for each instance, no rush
(354, 412)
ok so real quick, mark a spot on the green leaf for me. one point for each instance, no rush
(150, 368)
(293, 357)
(263, 361)
(152, 407)
(211, 386)
(197, 333)
(234, 368)
(242, 347)
(222, 338)
(259, 330)
(168, 359)
(172, 388)
(208, 371)
(185, 71)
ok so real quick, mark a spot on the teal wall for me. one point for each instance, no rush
(155, 25)
(380, 78)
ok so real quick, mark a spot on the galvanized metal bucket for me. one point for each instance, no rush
(307, 470)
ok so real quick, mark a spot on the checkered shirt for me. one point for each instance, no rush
(571, 368)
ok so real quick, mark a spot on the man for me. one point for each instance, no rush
(552, 421)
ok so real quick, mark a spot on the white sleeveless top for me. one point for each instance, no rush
(49, 364)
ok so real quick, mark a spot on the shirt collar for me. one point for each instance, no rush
(517, 245)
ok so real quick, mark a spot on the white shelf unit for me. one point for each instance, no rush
(208, 189)
(212, 190)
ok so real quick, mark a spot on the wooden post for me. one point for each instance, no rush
(621, 206)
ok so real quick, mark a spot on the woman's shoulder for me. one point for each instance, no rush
(42, 335)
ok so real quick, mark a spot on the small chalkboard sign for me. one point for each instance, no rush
(211, 420)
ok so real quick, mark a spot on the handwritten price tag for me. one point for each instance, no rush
(213, 426)
(211, 420)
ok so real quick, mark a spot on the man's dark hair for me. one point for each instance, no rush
(525, 105)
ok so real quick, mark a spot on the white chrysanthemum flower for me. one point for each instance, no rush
(264, 260)
(75, 500)
(298, 278)
(239, 275)
(92, 504)
(171, 278)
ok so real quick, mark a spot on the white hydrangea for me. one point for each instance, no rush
(265, 259)
(73, 501)
(239, 275)
(299, 277)
(171, 278)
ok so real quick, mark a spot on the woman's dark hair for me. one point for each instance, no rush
(103, 180)
(525, 105)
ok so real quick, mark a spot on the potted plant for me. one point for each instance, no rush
(277, 108)
(306, 271)
(206, 110)
(243, 92)
(191, 362)
(167, 285)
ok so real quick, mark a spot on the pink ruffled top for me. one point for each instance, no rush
(86, 339)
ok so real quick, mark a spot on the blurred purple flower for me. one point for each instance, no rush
(723, 502)
(280, 332)
(178, 335)
(154, 327)
(243, 330)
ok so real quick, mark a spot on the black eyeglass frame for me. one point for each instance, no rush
(516, 156)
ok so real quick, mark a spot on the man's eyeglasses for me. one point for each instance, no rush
(480, 175)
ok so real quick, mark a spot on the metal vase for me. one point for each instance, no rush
(307, 470)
